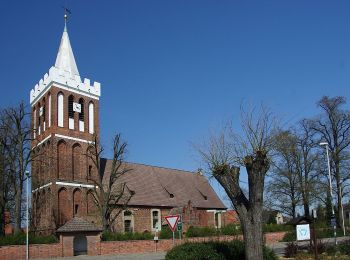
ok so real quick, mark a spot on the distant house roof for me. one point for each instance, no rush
(164, 187)
(78, 225)
(299, 220)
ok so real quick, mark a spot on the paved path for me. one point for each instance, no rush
(149, 256)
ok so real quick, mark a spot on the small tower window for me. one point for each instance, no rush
(70, 112)
(91, 118)
(70, 107)
(60, 110)
(81, 115)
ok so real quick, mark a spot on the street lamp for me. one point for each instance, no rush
(27, 237)
(330, 190)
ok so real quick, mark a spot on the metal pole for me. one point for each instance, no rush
(330, 189)
(342, 209)
(173, 238)
(27, 237)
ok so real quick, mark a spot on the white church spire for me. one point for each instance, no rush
(65, 57)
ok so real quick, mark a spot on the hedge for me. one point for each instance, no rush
(213, 250)
(21, 239)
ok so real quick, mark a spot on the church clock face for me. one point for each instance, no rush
(76, 107)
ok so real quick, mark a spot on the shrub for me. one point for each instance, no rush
(289, 236)
(192, 251)
(166, 233)
(345, 248)
(276, 227)
(20, 239)
(231, 230)
(201, 232)
(291, 250)
(214, 250)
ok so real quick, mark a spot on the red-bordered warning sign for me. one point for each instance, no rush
(172, 221)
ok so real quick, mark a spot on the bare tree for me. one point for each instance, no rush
(283, 186)
(225, 153)
(15, 121)
(110, 194)
(307, 161)
(333, 126)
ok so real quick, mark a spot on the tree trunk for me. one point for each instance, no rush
(18, 210)
(253, 239)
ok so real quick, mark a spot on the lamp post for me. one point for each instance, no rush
(27, 214)
(330, 190)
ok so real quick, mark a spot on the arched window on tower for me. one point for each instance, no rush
(91, 118)
(77, 205)
(61, 160)
(81, 115)
(70, 112)
(39, 118)
(49, 112)
(64, 212)
(44, 114)
(77, 162)
(34, 123)
(60, 109)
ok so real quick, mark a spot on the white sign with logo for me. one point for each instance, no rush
(303, 232)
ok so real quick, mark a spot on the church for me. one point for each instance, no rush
(65, 120)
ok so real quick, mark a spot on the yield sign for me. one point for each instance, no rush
(172, 221)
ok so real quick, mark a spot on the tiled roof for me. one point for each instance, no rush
(78, 225)
(164, 187)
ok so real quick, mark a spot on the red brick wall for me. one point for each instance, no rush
(60, 159)
(95, 247)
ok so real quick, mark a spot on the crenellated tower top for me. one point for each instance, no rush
(65, 74)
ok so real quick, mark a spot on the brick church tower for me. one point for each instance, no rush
(65, 119)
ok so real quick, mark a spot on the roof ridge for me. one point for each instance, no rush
(161, 167)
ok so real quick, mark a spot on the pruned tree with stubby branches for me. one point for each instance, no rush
(110, 194)
(226, 152)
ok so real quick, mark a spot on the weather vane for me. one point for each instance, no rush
(66, 12)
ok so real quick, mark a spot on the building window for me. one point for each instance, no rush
(34, 123)
(91, 118)
(81, 115)
(128, 221)
(70, 112)
(60, 110)
(156, 220)
(49, 110)
(217, 219)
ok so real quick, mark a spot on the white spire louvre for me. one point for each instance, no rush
(65, 57)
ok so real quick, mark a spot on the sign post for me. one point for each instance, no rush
(172, 222)
(179, 226)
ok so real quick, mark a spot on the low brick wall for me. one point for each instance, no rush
(35, 251)
(274, 237)
(112, 247)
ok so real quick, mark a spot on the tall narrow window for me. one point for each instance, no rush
(91, 118)
(81, 115)
(156, 224)
(44, 114)
(128, 221)
(49, 110)
(34, 123)
(60, 110)
(70, 112)
(39, 118)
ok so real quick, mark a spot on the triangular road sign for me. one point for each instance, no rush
(172, 221)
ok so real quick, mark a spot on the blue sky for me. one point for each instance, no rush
(172, 70)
